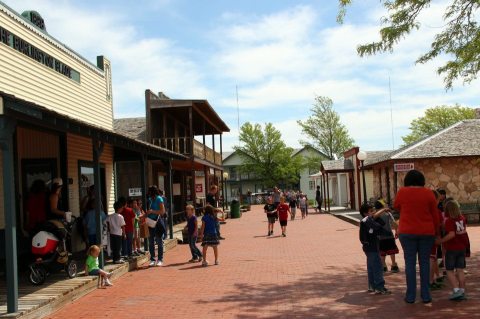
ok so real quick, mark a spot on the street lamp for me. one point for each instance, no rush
(225, 202)
(362, 156)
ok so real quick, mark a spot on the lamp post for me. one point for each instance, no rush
(362, 156)
(225, 177)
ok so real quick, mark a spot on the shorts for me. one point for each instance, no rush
(94, 272)
(454, 259)
(271, 219)
(210, 240)
(283, 222)
(388, 247)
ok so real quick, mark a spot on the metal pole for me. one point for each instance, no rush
(97, 149)
(364, 184)
(170, 197)
(6, 143)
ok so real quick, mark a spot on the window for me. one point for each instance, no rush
(311, 185)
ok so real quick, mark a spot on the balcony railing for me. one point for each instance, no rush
(182, 145)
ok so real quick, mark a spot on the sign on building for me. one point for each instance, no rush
(198, 188)
(134, 192)
(403, 167)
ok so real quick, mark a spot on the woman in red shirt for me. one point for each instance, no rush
(417, 229)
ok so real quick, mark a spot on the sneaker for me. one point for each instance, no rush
(284, 235)
(269, 234)
(120, 261)
(108, 283)
(370, 289)
(204, 263)
(382, 291)
(152, 263)
(200, 259)
(193, 260)
(159, 263)
(395, 269)
(221, 238)
(217, 262)
(457, 296)
(109, 274)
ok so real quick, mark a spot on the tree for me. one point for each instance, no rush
(458, 38)
(265, 155)
(436, 119)
(324, 129)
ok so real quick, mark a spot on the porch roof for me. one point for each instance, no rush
(33, 113)
(337, 166)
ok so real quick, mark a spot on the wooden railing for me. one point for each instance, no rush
(182, 145)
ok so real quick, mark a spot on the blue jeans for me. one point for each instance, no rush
(127, 245)
(414, 245)
(375, 270)
(151, 245)
(192, 242)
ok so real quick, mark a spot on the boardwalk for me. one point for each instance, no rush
(317, 271)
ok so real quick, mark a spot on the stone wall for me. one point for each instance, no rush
(460, 177)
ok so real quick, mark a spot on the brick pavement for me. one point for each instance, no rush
(317, 271)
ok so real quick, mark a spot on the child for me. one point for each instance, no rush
(192, 225)
(283, 210)
(271, 211)
(455, 243)
(90, 221)
(303, 205)
(91, 266)
(387, 244)
(136, 228)
(435, 279)
(208, 233)
(116, 227)
(293, 207)
(129, 217)
(370, 227)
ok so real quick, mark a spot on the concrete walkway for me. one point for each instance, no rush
(317, 271)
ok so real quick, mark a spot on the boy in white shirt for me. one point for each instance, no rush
(116, 228)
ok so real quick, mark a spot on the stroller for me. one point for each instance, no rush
(49, 246)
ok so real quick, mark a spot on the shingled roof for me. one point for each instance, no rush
(460, 139)
(132, 127)
(339, 165)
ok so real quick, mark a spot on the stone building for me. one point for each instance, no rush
(449, 159)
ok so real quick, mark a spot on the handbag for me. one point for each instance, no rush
(150, 222)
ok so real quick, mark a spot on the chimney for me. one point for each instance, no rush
(477, 112)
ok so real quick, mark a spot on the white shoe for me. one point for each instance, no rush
(108, 283)
(152, 263)
(159, 263)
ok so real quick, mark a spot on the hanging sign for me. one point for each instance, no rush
(134, 192)
(403, 167)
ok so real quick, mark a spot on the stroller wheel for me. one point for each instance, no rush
(37, 274)
(71, 269)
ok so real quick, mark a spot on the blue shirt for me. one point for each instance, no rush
(155, 205)
(191, 225)
(91, 222)
(210, 225)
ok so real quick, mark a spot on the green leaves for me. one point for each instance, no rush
(324, 129)
(265, 155)
(459, 38)
(436, 119)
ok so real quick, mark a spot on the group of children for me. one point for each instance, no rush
(208, 233)
(279, 211)
(378, 240)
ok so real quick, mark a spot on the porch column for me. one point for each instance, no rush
(328, 192)
(325, 198)
(170, 198)
(97, 150)
(7, 129)
(143, 182)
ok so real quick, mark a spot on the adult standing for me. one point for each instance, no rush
(55, 200)
(212, 201)
(155, 223)
(276, 196)
(417, 229)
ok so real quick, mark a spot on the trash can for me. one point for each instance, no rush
(235, 209)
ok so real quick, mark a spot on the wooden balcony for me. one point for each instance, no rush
(182, 145)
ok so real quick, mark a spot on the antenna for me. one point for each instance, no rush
(238, 115)
(391, 112)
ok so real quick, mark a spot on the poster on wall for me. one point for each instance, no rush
(177, 190)
(199, 188)
(134, 192)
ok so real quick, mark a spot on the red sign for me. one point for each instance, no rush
(199, 188)
(403, 167)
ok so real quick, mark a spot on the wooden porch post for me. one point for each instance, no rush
(97, 149)
(328, 193)
(7, 129)
(143, 182)
(170, 198)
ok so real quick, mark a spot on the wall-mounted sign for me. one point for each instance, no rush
(403, 167)
(35, 18)
(134, 192)
(22, 46)
(199, 188)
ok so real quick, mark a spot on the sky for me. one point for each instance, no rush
(280, 54)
